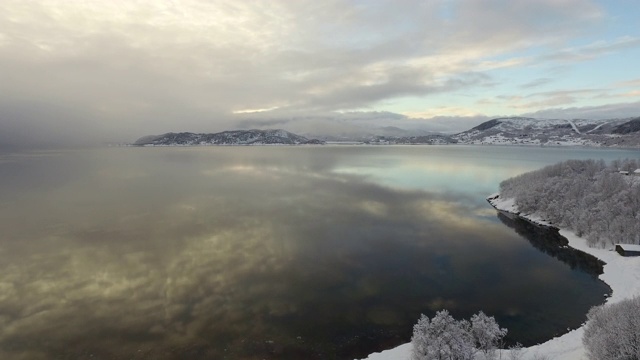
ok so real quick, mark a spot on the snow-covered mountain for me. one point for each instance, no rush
(237, 137)
(554, 132)
(500, 131)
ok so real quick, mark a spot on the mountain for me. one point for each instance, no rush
(632, 126)
(554, 132)
(499, 131)
(236, 137)
(435, 139)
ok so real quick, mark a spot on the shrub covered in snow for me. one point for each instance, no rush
(486, 334)
(445, 338)
(613, 331)
(590, 197)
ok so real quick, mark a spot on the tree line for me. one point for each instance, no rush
(594, 199)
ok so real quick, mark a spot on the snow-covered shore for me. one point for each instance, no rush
(622, 274)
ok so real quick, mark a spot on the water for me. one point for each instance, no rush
(271, 252)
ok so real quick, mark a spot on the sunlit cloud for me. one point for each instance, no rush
(608, 111)
(633, 93)
(252, 111)
(113, 71)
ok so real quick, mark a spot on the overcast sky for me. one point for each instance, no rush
(117, 70)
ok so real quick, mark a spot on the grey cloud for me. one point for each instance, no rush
(564, 93)
(547, 102)
(454, 124)
(547, 99)
(128, 69)
(252, 123)
(357, 123)
(609, 111)
(403, 82)
(536, 83)
(591, 51)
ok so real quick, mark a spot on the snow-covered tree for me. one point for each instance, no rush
(487, 334)
(591, 198)
(445, 338)
(612, 331)
(442, 338)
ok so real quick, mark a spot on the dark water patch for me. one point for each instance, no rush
(586, 268)
(548, 240)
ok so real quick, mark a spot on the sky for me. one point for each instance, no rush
(88, 71)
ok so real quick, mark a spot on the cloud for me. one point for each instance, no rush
(630, 83)
(608, 111)
(359, 123)
(536, 83)
(454, 124)
(549, 98)
(434, 112)
(122, 69)
(633, 93)
(549, 102)
(593, 50)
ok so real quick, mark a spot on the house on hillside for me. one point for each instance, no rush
(636, 172)
(628, 249)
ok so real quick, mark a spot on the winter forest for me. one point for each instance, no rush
(598, 201)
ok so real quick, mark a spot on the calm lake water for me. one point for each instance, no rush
(272, 252)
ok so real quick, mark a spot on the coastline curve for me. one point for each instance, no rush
(622, 274)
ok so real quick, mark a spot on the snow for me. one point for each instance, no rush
(573, 125)
(629, 247)
(402, 352)
(622, 274)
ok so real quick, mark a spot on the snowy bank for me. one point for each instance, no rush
(622, 274)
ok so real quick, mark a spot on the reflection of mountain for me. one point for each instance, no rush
(548, 240)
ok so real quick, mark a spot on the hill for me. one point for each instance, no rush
(236, 137)
(554, 132)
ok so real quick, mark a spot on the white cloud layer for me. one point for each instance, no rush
(123, 69)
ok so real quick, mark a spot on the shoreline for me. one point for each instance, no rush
(622, 274)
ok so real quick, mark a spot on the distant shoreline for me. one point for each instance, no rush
(362, 143)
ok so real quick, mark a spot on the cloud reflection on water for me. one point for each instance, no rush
(174, 254)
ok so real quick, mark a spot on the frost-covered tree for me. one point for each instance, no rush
(445, 338)
(587, 196)
(442, 338)
(612, 331)
(487, 334)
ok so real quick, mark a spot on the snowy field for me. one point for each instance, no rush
(622, 274)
